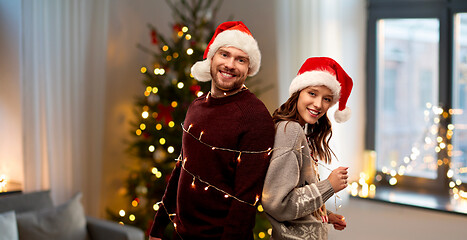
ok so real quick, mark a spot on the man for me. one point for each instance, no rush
(228, 135)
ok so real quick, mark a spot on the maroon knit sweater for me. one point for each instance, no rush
(239, 122)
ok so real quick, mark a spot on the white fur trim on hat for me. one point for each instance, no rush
(229, 38)
(316, 78)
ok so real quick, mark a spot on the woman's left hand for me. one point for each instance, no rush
(338, 221)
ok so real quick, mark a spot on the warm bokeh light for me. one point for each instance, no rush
(170, 149)
(260, 208)
(393, 181)
(121, 213)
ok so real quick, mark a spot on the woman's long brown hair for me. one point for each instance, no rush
(318, 134)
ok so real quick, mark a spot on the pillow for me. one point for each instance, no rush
(8, 226)
(25, 202)
(66, 221)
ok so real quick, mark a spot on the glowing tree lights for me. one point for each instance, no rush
(169, 88)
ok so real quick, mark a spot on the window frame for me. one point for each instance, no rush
(444, 11)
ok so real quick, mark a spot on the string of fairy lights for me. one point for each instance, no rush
(149, 91)
(209, 185)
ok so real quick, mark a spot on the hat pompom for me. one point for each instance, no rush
(201, 70)
(342, 116)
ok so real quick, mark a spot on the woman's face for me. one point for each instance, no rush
(313, 102)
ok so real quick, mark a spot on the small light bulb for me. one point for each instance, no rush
(122, 213)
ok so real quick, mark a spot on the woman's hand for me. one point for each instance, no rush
(338, 178)
(338, 221)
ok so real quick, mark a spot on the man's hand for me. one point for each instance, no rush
(154, 238)
(338, 221)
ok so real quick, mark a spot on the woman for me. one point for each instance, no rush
(293, 195)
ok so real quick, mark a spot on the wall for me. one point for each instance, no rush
(369, 219)
(128, 27)
(11, 156)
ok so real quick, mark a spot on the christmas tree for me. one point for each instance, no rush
(161, 109)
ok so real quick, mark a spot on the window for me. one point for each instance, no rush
(401, 122)
(416, 100)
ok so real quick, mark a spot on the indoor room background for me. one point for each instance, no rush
(70, 71)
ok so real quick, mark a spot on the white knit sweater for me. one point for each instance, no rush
(291, 190)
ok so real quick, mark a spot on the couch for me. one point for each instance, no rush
(37, 218)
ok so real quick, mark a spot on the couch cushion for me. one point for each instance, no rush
(23, 202)
(66, 221)
(8, 226)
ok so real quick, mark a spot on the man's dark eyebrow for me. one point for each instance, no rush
(244, 58)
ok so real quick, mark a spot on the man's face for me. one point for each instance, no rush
(229, 70)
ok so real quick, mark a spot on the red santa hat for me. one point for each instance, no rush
(228, 34)
(324, 71)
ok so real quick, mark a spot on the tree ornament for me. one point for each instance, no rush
(159, 155)
(153, 99)
(141, 190)
(154, 37)
(165, 112)
(177, 27)
(194, 89)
